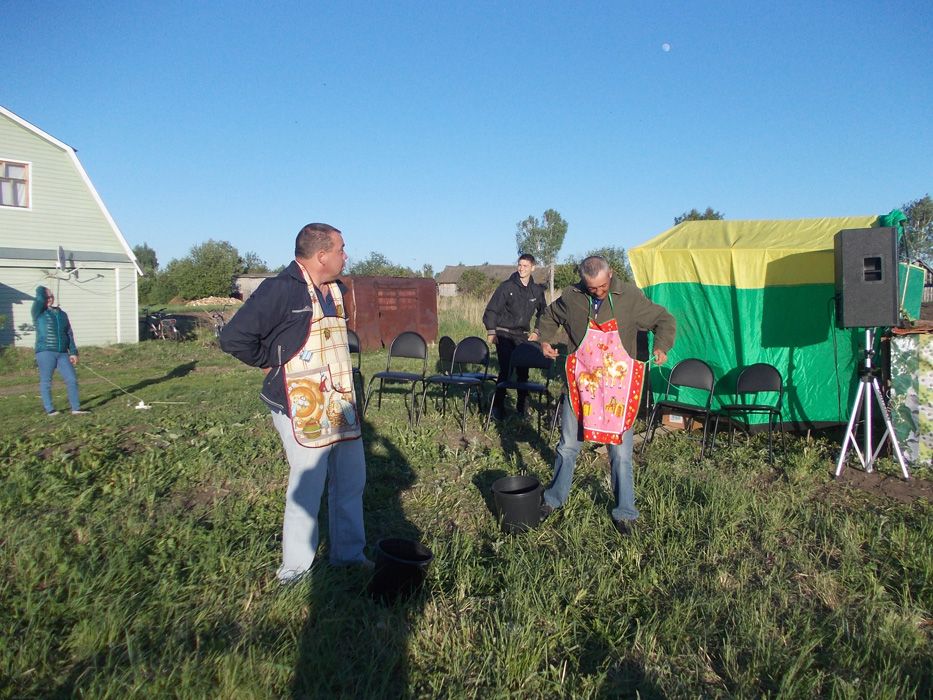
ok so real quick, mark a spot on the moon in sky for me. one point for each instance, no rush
(665, 47)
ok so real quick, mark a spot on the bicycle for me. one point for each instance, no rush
(161, 327)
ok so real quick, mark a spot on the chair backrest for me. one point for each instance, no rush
(409, 344)
(472, 350)
(353, 343)
(529, 355)
(760, 377)
(694, 374)
(445, 349)
(445, 353)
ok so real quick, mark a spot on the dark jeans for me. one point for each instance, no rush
(505, 344)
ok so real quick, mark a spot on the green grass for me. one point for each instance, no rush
(139, 549)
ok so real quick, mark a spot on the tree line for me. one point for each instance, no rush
(209, 268)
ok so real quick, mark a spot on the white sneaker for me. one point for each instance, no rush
(79, 413)
(51, 413)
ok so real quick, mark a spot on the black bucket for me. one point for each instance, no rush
(518, 500)
(401, 566)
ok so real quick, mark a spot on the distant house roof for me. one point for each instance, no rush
(452, 273)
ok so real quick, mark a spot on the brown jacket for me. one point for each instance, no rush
(630, 307)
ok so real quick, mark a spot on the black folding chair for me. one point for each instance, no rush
(407, 345)
(760, 378)
(445, 353)
(692, 374)
(469, 356)
(528, 355)
(356, 356)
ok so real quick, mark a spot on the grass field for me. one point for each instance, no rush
(139, 549)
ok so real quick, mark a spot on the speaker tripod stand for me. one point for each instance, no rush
(869, 389)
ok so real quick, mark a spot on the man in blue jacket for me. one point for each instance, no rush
(55, 349)
(294, 328)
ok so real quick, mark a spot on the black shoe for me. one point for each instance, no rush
(545, 510)
(623, 527)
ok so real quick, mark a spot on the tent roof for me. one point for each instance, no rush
(746, 254)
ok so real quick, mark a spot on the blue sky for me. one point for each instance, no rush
(427, 131)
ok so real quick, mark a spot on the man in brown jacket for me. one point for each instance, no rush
(601, 312)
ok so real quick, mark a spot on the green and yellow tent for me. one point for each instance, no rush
(761, 291)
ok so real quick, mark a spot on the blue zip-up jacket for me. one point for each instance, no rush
(270, 329)
(53, 330)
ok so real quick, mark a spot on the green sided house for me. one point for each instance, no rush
(55, 231)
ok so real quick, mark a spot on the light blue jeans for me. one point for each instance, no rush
(620, 466)
(342, 467)
(48, 362)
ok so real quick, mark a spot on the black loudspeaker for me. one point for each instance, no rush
(866, 277)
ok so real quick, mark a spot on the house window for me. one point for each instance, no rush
(14, 184)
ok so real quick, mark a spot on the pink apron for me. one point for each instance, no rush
(605, 384)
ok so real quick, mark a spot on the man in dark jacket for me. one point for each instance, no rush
(55, 349)
(294, 328)
(508, 320)
(605, 309)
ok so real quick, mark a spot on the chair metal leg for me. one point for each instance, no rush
(369, 395)
(649, 431)
(556, 416)
(466, 405)
(703, 443)
(712, 444)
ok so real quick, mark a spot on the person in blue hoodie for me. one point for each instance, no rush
(55, 349)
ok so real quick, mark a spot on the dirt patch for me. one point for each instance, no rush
(70, 449)
(886, 485)
(204, 496)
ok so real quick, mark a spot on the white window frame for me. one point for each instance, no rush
(28, 166)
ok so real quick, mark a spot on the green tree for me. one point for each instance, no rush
(146, 257)
(207, 271)
(157, 289)
(378, 265)
(543, 239)
(475, 284)
(568, 272)
(253, 264)
(693, 215)
(427, 271)
(618, 261)
(918, 229)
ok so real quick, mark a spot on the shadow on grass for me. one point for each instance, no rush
(177, 373)
(483, 481)
(353, 645)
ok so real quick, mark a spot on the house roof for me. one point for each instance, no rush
(451, 274)
(72, 154)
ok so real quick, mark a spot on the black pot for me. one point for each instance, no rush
(518, 502)
(401, 567)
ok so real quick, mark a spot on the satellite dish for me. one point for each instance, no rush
(61, 263)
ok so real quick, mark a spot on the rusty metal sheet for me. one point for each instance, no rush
(379, 308)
